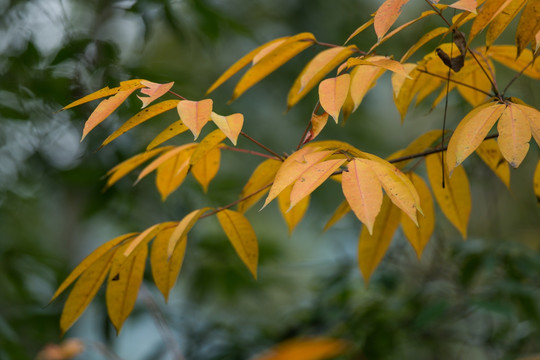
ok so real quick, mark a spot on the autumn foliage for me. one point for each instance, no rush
(382, 193)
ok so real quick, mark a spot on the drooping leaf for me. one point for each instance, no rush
(206, 169)
(125, 279)
(506, 55)
(470, 132)
(242, 237)
(467, 5)
(341, 211)
(209, 142)
(455, 198)
(163, 158)
(165, 269)
(182, 229)
(106, 91)
(332, 94)
(316, 70)
(486, 14)
(491, 155)
(536, 182)
(176, 128)
(528, 26)
(273, 60)
(85, 289)
(514, 135)
(387, 15)
(141, 117)
(502, 20)
(195, 114)
(363, 191)
(231, 125)
(372, 247)
(320, 348)
(261, 178)
(419, 235)
(172, 172)
(292, 214)
(154, 91)
(432, 34)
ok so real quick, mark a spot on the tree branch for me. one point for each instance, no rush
(262, 146)
(456, 82)
(213, 212)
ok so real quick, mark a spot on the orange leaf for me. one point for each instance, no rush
(467, 5)
(514, 135)
(318, 122)
(387, 15)
(106, 91)
(363, 78)
(506, 55)
(206, 168)
(195, 114)
(363, 191)
(261, 178)
(487, 13)
(230, 125)
(332, 94)
(470, 132)
(491, 155)
(305, 349)
(341, 211)
(502, 20)
(292, 214)
(174, 129)
(528, 26)
(154, 91)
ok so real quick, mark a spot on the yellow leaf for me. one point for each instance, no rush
(455, 198)
(387, 15)
(514, 135)
(206, 168)
(363, 78)
(292, 214)
(379, 61)
(163, 158)
(141, 117)
(240, 64)
(341, 211)
(230, 125)
(172, 172)
(165, 269)
(467, 5)
(312, 178)
(475, 77)
(85, 289)
(502, 20)
(242, 237)
(174, 129)
(419, 235)
(403, 88)
(195, 114)
(318, 122)
(336, 145)
(506, 55)
(536, 182)
(273, 60)
(106, 91)
(90, 260)
(104, 109)
(154, 91)
(528, 26)
(261, 178)
(470, 132)
(125, 279)
(533, 116)
(140, 240)
(491, 155)
(266, 50)
(182, 229)
(486, 14)
(360, 29)
(293, 167)
(372, 247)
(363, 191)
(432, 34)
(305, 349)
(316, 70)
(332, 94)
(209, 142)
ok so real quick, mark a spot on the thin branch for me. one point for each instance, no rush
(177, 95)
(334, 46)
(516, 77)
(456, 82)
(246, 151)
(261, 146)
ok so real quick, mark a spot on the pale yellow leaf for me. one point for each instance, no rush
(467, 5)
(209, 142)
(176, 128)
(172, 172)
(514, 135)
(261, 178)
(242, 237)
(292, 214)
(320, 348)
(332, 94)
(536, 182)
(470, 132)
(533, 116)
(340, 212)
(502, 20)
(491, 155)
(372, 247)
(195, 114)
(231, 125)
(387, 15)
(486, 14)
(141, 117)
(528, 26)
(154, 91)
(419, 234)
(106, 91)
(455, 198)
(206, 168)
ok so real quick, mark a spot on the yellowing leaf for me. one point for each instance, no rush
(502, 20)
(360, 29)
(387, 15)
(104, 109)
(470, 132)
(293, 167)
(372, 247)
(209, 142)
(123, 286)
(261, 178)
(455, 198)
(90, 260)
(154, 91)
(491, 155)
(292, 214)
(195, 114)
(379, 61)
(332, 94)
(486, 14)
(266, 50)
(467, 5)
(172, 172)
(341, 211)
(139, 241)
(419, 235)
(174, 129)
(312, 178)
(528, 26)
(206, 168)
(305, 349)
(432, 34)
(476, 78)
(363, 78)
(163, 158)
(242, 237)
(230, 125)
(273, 60)
(182, 229)
(336, 145)
(106, 91)
(141, 117)
(506, 55)
(85, 289)
(165, 269)
(536, 182)
(363, 191)
(514, 135)
(318, 122)
(240, 64)
(316, 70)
(533, 116)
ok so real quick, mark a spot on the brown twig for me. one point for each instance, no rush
(177, 95)
(456, 82)
(256, 153)
(213, 212)
(262, 146)
(516, 77)
(317, 107)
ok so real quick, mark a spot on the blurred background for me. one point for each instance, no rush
(474, 299)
